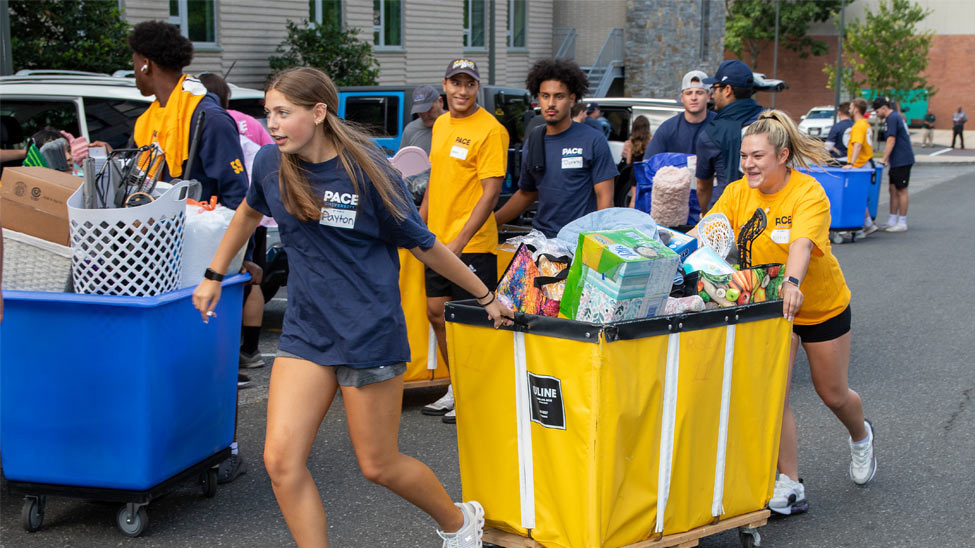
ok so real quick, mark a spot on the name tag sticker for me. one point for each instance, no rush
(338, 218)
(572, 162)
(458, 152)
(780, 235)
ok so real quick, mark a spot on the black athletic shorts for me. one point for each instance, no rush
(484, 265)
(833, 328)
(900, 176)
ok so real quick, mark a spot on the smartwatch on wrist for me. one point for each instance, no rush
(212, 274)
(792, 280)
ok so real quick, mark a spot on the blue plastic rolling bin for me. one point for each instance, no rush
(115, 398)
(848, 191)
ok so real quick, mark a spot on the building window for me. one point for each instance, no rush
(387, 23)
(327, 13)
(474, 23)
(517, 10)
(196, 19)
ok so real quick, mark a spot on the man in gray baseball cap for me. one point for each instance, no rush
(428, 107)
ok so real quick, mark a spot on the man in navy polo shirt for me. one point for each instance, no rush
(719, 145)
(566, 166)
(899, 156)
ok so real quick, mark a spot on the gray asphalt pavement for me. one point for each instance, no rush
(908, 364)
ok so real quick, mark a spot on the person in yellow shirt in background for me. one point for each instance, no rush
(815, 295)
(469, 155)
(859, 152)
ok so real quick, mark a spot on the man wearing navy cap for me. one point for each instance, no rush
(595, 119)
(719, 145)
(427, 105)
(899, 157)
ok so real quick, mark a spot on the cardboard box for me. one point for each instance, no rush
(33, 200)
(618, 275)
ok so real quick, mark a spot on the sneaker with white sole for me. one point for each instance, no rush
(789, 496)
(450, 417)
(469, 535)
(250, 361)
(870, 229)
(863, 463)
(899, 227)
(440, 407)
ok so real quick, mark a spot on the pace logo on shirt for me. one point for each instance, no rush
(339, 209)
(572, 158)
(783, 229)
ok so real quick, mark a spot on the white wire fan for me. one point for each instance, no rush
(714, 231)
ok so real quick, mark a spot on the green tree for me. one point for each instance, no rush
(886, 53)
(68, 35)
(750, 26)
(337, 51)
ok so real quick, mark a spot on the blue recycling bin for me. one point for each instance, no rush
(115, 392)
(848, 191)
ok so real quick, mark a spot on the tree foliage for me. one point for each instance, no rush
(68, 35)
(337, 51)
(886, 53)
(750, 25)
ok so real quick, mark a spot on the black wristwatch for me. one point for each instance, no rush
(790, 279)
(212, 274)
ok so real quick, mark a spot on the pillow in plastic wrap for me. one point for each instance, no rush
(670, 196)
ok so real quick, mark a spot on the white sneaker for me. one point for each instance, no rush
(899, 227)
(468, 536)
(863, 463)
(868, 230)
(789, 496)
(440, 407)
(450, 417)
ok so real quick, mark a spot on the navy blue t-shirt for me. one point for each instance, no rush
(343, 281)
(219, 164)
(839, 135)
(676, 134)
(903, 154)
(575, 160)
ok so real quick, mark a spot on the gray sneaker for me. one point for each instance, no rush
(251, 361)
(230, 468)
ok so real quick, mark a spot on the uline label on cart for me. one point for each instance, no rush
(546, 401)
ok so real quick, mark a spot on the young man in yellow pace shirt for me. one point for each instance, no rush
(468, 153)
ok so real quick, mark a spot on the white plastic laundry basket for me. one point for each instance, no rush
(135, 251)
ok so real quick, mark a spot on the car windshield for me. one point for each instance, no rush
(820, 114)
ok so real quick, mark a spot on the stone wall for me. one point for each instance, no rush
(667, 38)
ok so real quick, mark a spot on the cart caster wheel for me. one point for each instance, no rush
(32, 513)
(208, 483)
(836, 237)
(749, 538)
(135, 527)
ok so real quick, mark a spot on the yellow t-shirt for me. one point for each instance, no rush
(463, 152)
(800, 210)
(859, 133)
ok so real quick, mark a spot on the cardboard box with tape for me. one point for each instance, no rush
(33, 200)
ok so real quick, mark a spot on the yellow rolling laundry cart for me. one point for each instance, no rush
(426, 367)
(652, 432)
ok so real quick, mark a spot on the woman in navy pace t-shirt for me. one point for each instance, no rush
(342, 211)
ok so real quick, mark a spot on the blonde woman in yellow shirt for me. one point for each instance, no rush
(815, 295)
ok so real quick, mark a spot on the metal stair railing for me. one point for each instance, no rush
(602, 73)
(566, 38)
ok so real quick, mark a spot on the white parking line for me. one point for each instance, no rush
(942, 151)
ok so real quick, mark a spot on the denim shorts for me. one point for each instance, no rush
(350, 376)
